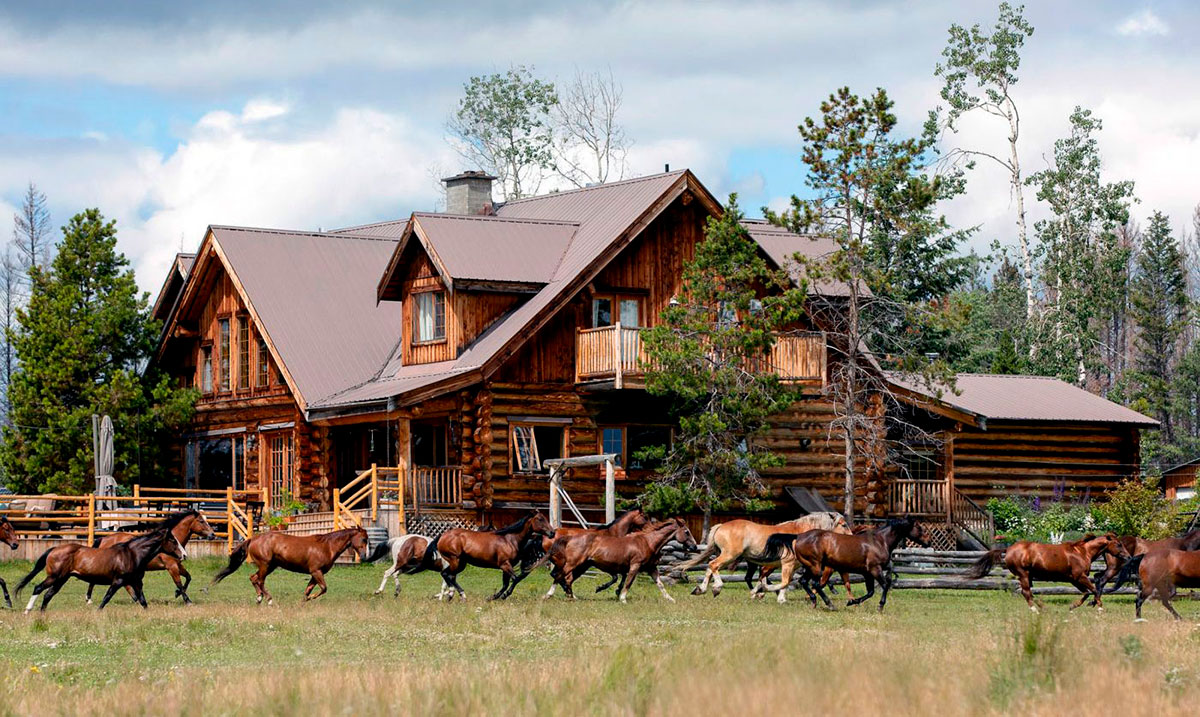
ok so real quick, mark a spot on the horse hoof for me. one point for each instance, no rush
(697, 591)
(1140, 619)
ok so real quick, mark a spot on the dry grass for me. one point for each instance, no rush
(960, 652)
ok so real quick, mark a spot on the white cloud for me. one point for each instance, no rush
(259, 109)
(1144, 23)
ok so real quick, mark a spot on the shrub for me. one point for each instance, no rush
(1136, 507)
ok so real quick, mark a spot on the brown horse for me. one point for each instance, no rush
(192, 523)
(747, 540)
(1140, 546)
(623, 557)
(8, 536)
(310, 554)
(1068, 562)
(407, 552)
(115, 566)
(457, 548)
(822, 552)
(629, 522)
(1161, 572)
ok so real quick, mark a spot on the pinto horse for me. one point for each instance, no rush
(1140, 546)
(747, 540)
(1067, 562)
(630, 521)
(1161, 572)
(457, 548)
(192, 522)
(407, 553)
(8, 536)
(822, 552)
(623, 557)
(311, 554)
(116, 566)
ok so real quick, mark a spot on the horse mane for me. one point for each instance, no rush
(174, 519)
(615, 520)
(515, 527)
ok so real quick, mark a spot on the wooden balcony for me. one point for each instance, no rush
(615, 356)
(939, 501)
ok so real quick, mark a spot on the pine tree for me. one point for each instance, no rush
(82, 342)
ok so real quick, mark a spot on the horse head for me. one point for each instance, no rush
(540, 525)
(1191, 541)
(634, 520)
(358, 541)
(8, 534)
(169, 545)
(1113, 546)
(683, 534)
(201, 529)
(908, 527)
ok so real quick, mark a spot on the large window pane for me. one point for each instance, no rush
(243, 339)
(601, 312)
(429, 316)
(630, 315)
(612, 440)
(223, 353)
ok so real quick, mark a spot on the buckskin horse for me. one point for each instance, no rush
(623, 557)
(820, 553)
(1140, 546)
(8, 536)
(116, 566)
(1067, 562)
(1161, 572)
(747, 540)
(407, 552)
(191, 522)
(457, 548)
(310, 554)
(628, 522)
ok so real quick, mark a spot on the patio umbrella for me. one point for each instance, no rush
(106, 485)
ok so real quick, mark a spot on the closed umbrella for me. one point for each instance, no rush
(106, 485)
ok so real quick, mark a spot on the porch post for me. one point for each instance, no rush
(229, 516)
(610, 491)
(374, 493)
(555, 497)
(404, 461)
(619, 376)
(948, 472)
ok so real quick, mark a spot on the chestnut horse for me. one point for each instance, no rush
(747, 540)
(822, 552)
(192, 523)
(457, 548)
(1067, 562)
(1161, 572)
(311, 554)
(116, 566)
(631, 521)
(8, 536)
(407, 552)
(623, 557)
(1140, 546)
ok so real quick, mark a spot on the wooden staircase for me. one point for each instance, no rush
(938, 503)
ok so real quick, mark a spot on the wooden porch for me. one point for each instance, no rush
(617, 354)
(939, 501)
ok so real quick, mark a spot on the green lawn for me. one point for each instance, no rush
(961, 651)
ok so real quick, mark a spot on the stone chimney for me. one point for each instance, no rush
(469, 193)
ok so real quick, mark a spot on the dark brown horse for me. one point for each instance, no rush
(457, 548)
(820, 553)
(623, 557)
(1161, 572)
(1140, 546)
(1067, 562)
(8, 536)
(192, 523)
(629, 522)
(115, 566)
(313, 555)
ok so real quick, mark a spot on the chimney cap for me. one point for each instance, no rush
(469, 174)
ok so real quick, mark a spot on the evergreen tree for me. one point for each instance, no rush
(82, 342)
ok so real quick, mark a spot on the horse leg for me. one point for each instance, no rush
(139, 597)
(885, 580)
(870, 583)
(1027, 589)
(387, 574)
(845, 584)
(37, 590)
(177, 572)
(653, 573)
(91, 587)
(1089, 590)
(1165, 597)
(108, 595)
(750, 567)
(1143, 593)
(318, 578)
(259, 581)
(805, 578)
(7, 599)
(629, 578)
(714, 570)
(451, 578)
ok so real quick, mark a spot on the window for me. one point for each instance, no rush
(223, 352)
(428, 444)
(533, 444)
(642, 437)
(919, 465)
(264, 363)
(429, 316)
(628, 311)
(612, 440)
(206, 376)
(280, 469)
(601, 312)
(243, 339)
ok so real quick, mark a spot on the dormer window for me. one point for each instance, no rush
(429, 317)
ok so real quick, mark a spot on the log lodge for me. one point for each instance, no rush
(463, 350)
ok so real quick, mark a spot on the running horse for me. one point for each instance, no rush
(192, 522)
(1067, 562)
(822, 552)
(628, 522)
(747, 540)
(407, 552)
(1136, 546)
(1161, 572)
(310, 554)
(116, 566)
(457, 548)
(623, 557)
(8, 536)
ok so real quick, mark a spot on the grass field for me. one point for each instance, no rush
(950, 652)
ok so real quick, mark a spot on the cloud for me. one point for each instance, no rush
(1142, 24)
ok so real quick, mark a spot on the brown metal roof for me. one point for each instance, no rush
(177, 276)
(495, 248)
(783, 246)
(315, 296)
(1026, 398)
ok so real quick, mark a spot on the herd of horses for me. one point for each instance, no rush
(808, 550)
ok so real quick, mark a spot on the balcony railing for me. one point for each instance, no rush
(617, 353)
(938, 499)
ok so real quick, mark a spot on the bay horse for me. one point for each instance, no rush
(623, 557)
(8, 536)
(407, 552)
(1066, 562)
(116, 566)
(819, 553)
(1140, 546)
(310, 554)
(192, 522)
(628, 522)
(746, 540)
(457, 548)
(1161, 572)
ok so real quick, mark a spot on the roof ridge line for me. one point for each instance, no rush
(352, 227)
(603, 185)
(300, 233)
(494, 218)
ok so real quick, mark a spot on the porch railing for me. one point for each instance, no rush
(938, 499)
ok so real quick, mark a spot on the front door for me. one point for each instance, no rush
(281, 467)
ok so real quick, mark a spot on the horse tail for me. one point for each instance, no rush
(709, 550)
(1128, 569)
(236, 558)
(38, 566)
(779, 543)
(432, 559)
(380, 550)
(984, 565)
(97, 540)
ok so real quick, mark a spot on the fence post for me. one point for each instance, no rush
(555, 497)
(337, 504)
(610, 491)
(374, 493)
(619, 377)
(229, 516)
(137, 490)
(91, 533)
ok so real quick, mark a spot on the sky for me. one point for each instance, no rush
(170, 117)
